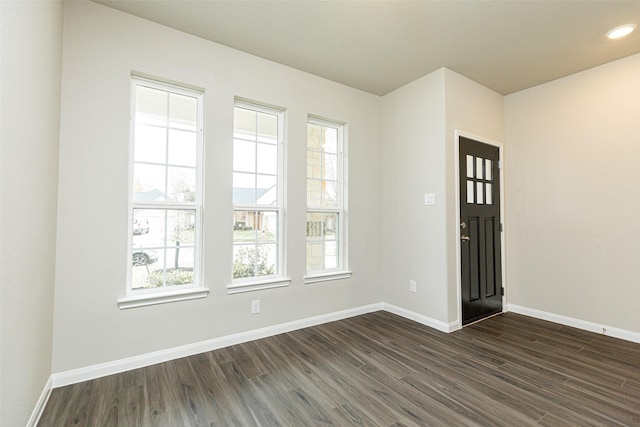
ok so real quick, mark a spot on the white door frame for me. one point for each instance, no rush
(456, 157)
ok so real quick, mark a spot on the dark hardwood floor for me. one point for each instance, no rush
(377, 370)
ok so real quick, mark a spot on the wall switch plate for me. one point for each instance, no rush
(412, 285)
(255, 306)
(429, 199)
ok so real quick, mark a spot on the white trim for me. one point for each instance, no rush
(258, 285)
(142, 300)
(61, 379)
(154, 79)
(577, 323)
(325, 277)
(422, 319)
(41, 403)
(456, 157)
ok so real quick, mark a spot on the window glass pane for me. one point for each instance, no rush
(255, 236)
(268, 128)
(479, 173)
(314, 137)
(322, 226)
(183, 112)
(315, 226)
(244, 261)
(163, 247)
(266, 259)
(314, 193)
(268, 159)
(488, 171)
(244, 156)
(244, 226)
(322, 243)
(331, 167)
(151, 106)
(314, 256)
(330, 255)
(253, 261)
(322, 240)
(469, 166)
(267, 226)
(150, 144)
(480, 198)
(488, 194)
(182, 184)
(148, 228)
(267, 190)
(182, 148)
(244, 192)
(244, 124)
(330, 140)
(330, 194)
(149, 182)
(314, 164)
(181, 226)
(470, 193)
(256, 226)
(331, 226)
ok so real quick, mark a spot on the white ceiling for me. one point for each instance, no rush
(378, 46)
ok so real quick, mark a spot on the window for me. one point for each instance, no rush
(326, 218)
(165, 191)
(258, 198)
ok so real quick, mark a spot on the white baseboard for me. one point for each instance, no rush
(422, 319)
(117, 366)
(41, 403)
(577, 323)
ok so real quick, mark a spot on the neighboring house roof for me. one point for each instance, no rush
(245, 196)
(241, 196)
(154, 195)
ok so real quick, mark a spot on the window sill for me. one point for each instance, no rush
(258, 285)
(325, 277)
(133, 301)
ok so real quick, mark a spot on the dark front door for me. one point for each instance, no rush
(480, 230)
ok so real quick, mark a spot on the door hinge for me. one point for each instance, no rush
(499, 164)
(501, 227)
(502, 291)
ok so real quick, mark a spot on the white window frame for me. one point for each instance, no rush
(279, 279)
(341, 271)
(145, 297)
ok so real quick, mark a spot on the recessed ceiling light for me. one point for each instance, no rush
(621, 31)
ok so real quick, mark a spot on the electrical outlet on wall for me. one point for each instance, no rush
(412, 285)
(255, 306)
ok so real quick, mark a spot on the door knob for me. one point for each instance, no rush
(465, 238)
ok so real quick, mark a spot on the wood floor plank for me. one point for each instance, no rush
(133, 409)
(105, 402)
(376, 369)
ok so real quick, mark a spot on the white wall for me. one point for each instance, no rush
(31, 38)
(101, 48)
(414, 163)
(419, 122)
(573, 190)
